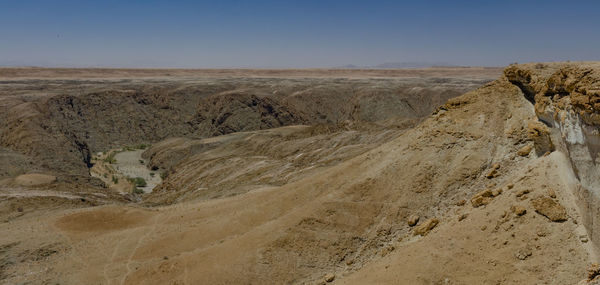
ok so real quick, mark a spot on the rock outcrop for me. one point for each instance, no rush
(550, 209)
(540, 135)
(566, 98)
(425, 227)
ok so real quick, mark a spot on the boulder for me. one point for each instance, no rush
(497, 192)
(550, 209)
(518, 210)
(523, 192)
(494, 171)
(413, 220)
(523, 254)
(424, 228)
(482, 198)
(540, 135)
(524, 151)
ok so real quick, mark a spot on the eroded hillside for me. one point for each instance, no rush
(56, 126)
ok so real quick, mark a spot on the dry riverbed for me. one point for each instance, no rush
(125, 171)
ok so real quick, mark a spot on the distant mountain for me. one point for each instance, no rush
(394, 65)
(349, 66)
(411, 64)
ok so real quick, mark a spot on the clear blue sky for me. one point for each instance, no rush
(307, 33)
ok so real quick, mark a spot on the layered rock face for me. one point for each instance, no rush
(567, 100)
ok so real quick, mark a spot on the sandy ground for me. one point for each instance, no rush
(489, 239)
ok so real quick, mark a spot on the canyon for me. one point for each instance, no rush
(460, 175)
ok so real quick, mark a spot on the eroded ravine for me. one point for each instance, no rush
(125, 171)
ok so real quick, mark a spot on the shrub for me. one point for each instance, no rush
(136, 190)
(110, 158)
(134, 147)
(115, 179)
(138, 181)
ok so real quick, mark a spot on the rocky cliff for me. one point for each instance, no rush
(566, 97)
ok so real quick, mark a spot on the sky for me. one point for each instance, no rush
(294, 34)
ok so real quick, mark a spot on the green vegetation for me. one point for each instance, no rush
(135, 147)
(163, 175)
(111, 158)
(142, 146)
(138, 181)
(136, 190)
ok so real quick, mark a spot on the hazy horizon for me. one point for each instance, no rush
(306, 34)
